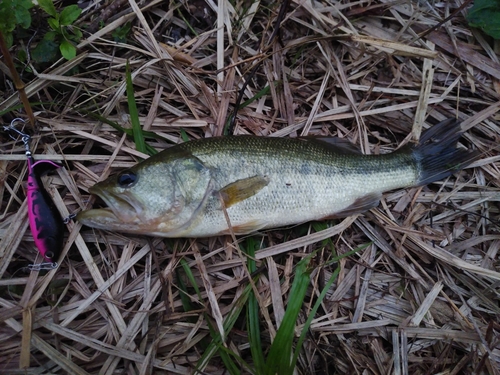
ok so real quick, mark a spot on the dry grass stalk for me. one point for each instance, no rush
(420, 298)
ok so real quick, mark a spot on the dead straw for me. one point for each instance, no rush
(419, 291)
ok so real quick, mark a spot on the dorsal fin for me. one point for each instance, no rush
(339, 145)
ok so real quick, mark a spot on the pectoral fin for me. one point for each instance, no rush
(242, 189)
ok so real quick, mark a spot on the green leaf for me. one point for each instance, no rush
(485, 14)
(53, 23)
(22, 56)
(46, 51)
(51, 35)
(7, 23)
(67, 49)
(69, 15)
(120, 33)
(70, 34)
(48, 6)
(25, 4)
(23, 17)
(13, 13)
(140, 144)
(257, 96)
(78, 34)
(9, 39)
(64, 32)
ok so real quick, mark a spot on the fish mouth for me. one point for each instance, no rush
(100, 218)
(122, 209)
(124, 206)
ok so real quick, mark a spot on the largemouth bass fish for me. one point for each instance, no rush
(205, 187)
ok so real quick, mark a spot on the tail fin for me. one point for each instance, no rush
(437, 154)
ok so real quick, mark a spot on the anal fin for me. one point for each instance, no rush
(246, 228)
(360, 205)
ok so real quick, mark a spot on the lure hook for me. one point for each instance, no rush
(68, 219)
(25, 138)
(42, 266)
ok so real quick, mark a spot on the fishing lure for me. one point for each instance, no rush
(45, 221)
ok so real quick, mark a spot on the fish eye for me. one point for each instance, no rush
(127, 179)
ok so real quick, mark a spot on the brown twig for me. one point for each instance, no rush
(440, 23)
(17, 81)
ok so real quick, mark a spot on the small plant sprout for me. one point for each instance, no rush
(62, 35)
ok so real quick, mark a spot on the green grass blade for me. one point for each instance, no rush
(191, 278)
(184, 136)
(253, 319)
(186, 22)
(317, 304)
(225, 353)
(228, 324)
(149, 149)
(280, 354)
(216, 345)
(183, 292)
(348, 254)
(253, 328)
(318, 226)
(257, 96)
(310, 318)
(140, 143)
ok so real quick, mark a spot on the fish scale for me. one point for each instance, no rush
(293, 196)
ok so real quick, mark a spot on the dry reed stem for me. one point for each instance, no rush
(421, 297)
